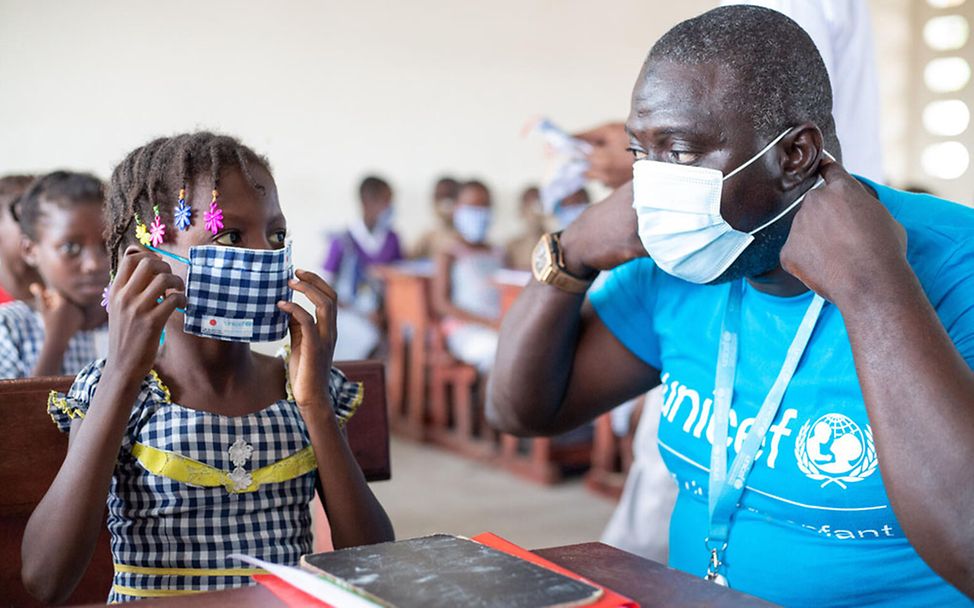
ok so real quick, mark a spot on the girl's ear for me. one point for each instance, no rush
(28, 251)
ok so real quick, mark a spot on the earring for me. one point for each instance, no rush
(141, 232)
(183, 215)
(213, 218)
(157, 232)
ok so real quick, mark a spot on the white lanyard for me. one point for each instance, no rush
(725, 489)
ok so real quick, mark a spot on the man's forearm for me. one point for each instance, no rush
(534, 359)
(919, 394)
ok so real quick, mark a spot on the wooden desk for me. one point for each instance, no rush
(408, 314)
(649, 583)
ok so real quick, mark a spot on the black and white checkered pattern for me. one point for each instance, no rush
(236, 283)
(22, 337)
(157, 522)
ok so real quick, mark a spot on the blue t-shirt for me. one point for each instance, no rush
(815, 526)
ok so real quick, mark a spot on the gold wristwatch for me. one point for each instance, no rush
(548, 266)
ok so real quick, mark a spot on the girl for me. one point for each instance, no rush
(63, 328)
(464, 294)
(201, 447)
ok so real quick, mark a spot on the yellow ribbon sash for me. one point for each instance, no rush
(192, 472)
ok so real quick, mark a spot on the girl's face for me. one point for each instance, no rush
(252, 217)
(69, 252)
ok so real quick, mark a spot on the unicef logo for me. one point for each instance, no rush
(834, 449)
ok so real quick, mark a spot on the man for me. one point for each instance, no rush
(810, 301)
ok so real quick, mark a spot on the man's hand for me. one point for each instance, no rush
(604, 236)
(843, 242)
(609, 162)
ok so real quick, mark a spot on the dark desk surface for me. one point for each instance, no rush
(649, 583)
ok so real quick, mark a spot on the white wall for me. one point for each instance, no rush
(328, 90)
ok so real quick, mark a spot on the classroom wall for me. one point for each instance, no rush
(332, 90)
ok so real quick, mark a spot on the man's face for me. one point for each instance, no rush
(680, 114)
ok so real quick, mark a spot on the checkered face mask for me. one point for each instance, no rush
(232, 293)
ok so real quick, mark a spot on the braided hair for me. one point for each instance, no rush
(152, 176)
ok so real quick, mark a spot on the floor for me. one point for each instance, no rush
(434, 491)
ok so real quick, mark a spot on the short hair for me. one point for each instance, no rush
(12, 187)
(152, 175)
(372, 186)
(65, 189)
(475, 183)
(781, 80)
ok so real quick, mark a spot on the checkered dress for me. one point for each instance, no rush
(159, 523)
(22, 337)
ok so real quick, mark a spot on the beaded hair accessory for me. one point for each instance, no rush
(157, 232)
(183, 215)
(141, 231)
(213, 217)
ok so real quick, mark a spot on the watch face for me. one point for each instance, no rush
(540, 259)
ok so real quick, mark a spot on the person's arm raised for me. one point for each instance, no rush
(919, 390)
(62, 531)
(558, 365)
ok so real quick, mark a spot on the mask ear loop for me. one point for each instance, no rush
(178, 258)
(758, 155)
(817, 183)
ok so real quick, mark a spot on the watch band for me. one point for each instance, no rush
(549, 266)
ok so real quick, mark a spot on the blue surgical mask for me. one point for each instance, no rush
(232, 292)
(472, 222)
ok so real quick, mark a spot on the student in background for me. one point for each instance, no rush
(15, 275)
(444, 202)
(369, 240)
(201, 447)
(63, 329)
(517, 253)
(569, 208)
(464, 294)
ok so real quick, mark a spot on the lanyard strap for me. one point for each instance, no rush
(726, 489)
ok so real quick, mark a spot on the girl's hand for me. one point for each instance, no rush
(136, 317)
(62, 318)
(312, 342)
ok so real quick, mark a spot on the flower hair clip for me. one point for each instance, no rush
(213, 218)
(141, 232)
(157, 232)
(106, 294)
(183, 215)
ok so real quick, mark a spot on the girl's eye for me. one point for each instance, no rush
(70, 249)
(229, 238)
(278, 237)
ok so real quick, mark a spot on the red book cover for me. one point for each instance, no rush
(609, 599)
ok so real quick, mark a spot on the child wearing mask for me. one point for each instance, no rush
(62, 329)
(444, 203)
(200, 446)
(369, 240)
(464, 294)
(16, 276)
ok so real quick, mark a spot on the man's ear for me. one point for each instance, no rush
(28, 251)
(802, 152)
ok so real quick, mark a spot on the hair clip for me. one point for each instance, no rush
(183, 215)
(106, 295)
(213, 218)
(141, 232)
(157, 232)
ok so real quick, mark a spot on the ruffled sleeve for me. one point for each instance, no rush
(64, 408)
(346, 396)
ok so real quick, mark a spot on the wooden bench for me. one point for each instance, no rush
(32, 450)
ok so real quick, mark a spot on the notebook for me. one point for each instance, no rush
(448, 571)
